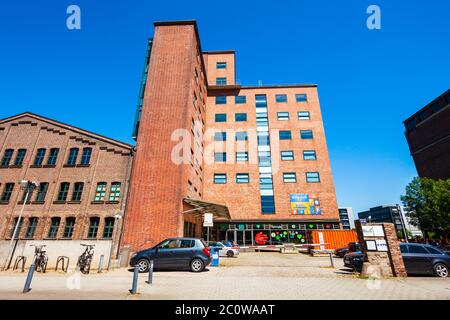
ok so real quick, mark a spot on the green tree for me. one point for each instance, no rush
(428, 205)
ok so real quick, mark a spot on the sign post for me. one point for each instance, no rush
(208, 222)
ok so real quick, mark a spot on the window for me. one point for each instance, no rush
(220, 136)
(403, 248)
(53, 156)
(114, 192)
(264, 159)
(281, 98)
(289, 177)
(54, 226)
(32, 224)
(417, 249)
(221, 100)
(242, 178)
(42, 192)
(309, 155)
(7, 191)
(301, 97)
(16, 235)
(220, 178)
(68, 228)
(303, 115)
(306, 134)
(240, 117)
(240, 99)
(220, 156)
(261, 100)
(267, 204)
(287, 155)
(312, 177)
(20, 157)
(221, 81)
(39, 157)
(86, 156)
(241, 136)
(241, 156)
(73, 154)
(27, 194)
(263, 138)
(283, 116)
(221, 65)
(100, 191)
(93, 227)
(261, 119)
(63, 191)
(77, 191)
(285, 135)
(265, 181)
(108, 229)
(433, 251)
(7, 157)
(221, 117)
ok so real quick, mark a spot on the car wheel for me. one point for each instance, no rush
(230, 254)
(197, 265)
(143, 265)
(440, 270)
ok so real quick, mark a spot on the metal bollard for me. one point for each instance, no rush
(331, 259)
(100, 263)
(27, 288)
(150, 273)
(135, 280)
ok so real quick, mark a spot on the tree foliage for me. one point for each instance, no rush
(428, 205)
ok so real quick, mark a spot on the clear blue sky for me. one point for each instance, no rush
(369, 81)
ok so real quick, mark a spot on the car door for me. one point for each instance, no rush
(407, 259)
(184, 254)
(166, 253)
(420, 259)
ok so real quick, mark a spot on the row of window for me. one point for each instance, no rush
(283, 135)
(281, 116)
(69, 227)
(279, 98)
(288, 177)
(264, 156)
(41, 192)
(41, 153)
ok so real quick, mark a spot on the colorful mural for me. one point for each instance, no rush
(304, 204)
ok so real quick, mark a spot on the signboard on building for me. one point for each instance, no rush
(373, 231)
(321, 241)
(304, 204)
(381, 245)
(208, 220)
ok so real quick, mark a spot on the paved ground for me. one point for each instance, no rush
(271, 276)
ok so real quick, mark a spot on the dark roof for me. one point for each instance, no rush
(219, 52)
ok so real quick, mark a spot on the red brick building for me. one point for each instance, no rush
(83, 181)
(254, 156)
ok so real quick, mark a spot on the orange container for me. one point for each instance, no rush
(334, 238)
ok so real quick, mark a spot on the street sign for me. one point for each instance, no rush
(208, 220)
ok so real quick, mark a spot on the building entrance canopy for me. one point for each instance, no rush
(219, 211)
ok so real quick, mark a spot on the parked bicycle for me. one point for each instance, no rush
(40, 259)
(85, 260)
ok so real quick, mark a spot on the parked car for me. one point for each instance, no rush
(354, 260)
(226, 250)
(425, 259)
(231, 244)
(351, 247)
(176, 254)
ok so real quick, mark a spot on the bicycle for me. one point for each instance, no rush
(40, 259)
(84, 261)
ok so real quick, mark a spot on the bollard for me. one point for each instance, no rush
(100, 263)
(27, 288)
(150, 273)
(135, 280)
(331, 259)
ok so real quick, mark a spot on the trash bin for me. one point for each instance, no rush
(215, 256)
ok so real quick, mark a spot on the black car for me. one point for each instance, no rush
(351, 247)
(425, 259)
(354, 260)
(176, 254)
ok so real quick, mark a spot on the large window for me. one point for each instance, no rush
(281, 98)
(220, 157)
(221, 65)
(221, 81)
(7, 192)
(114, 192)
(242, 178)
(100, 191)
(63, 191)
(53, 156)
(312, 177)
(289, 177)
(77, 191)
(264, 159)
(73, 155)
(221, 100)
(309, 155)
(42, 192)
(54, 226)
(86, 156)
(68, 228)
(32, 224)
(267, 204)
(287, 155)
(220, 178)
(39, 157)
(285, 135)
(20, 157)
(16, 235)
(93, 227)
(26, 194)
(241, 156)
(240, 99)
(301, 97)
(108, 229)
(241, 136)
(303, 115)
(240, 117)
(283, 116)
(220, 136)
(221, 117)
(7, 157)
(306, 134)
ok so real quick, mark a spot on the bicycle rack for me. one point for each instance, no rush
(19, 259)
(63, 260)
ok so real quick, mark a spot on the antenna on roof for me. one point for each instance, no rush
(260, 83)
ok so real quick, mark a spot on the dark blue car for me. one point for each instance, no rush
(174, 254)
(425, 259)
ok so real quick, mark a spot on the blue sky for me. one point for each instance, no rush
(369, 80)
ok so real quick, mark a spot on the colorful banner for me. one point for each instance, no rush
(304, 204)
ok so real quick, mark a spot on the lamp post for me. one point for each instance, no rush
(28, 187)
(117, 217)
